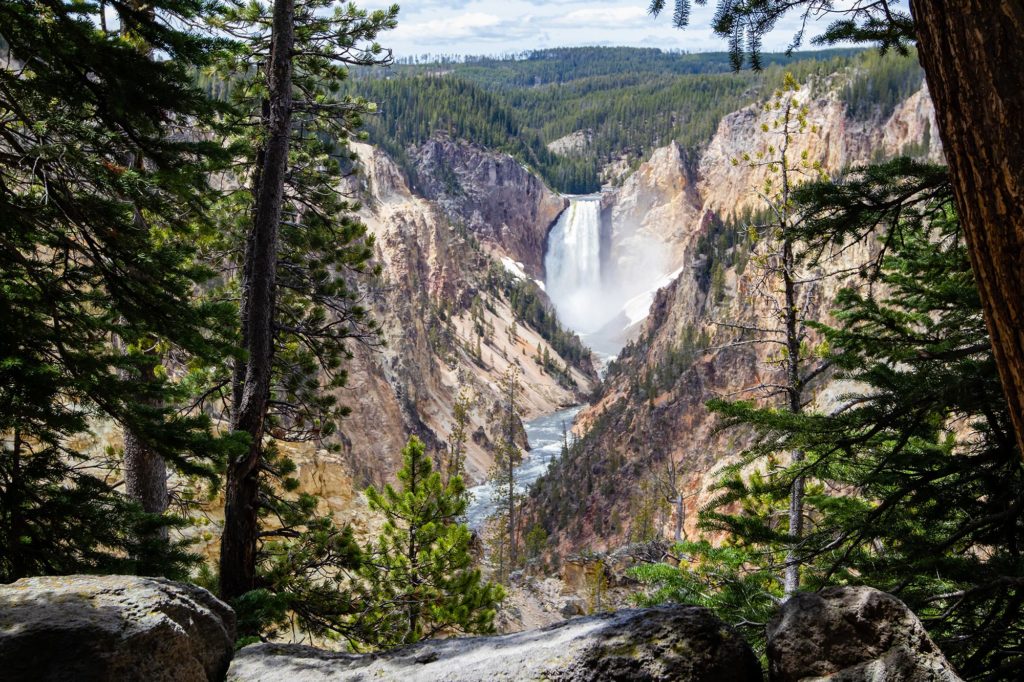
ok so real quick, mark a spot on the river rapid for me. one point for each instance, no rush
(545, 437)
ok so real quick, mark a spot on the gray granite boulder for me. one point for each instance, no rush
(127, 628)
(678, 643)
(852, 634)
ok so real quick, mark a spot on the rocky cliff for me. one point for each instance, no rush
(649, 418)
(446, 327)
(508, 208)
(646, 222)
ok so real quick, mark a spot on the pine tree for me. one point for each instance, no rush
(419, 576)
(970, 52)
(453, 464)
(784, 287)
(925, 450)
(301, 248)
(507, 456)
(98, 246)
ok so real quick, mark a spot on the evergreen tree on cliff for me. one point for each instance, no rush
(419, 575)
(96, 246)
(298, 306)
(507, 456)
(923, 449)
(971, 52)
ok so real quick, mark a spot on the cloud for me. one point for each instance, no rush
(450, 28)
(605, 17)
(505, 26)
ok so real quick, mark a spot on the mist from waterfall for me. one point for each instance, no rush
(573, 265)
(597, 292)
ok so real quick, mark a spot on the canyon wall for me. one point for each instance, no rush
(435, 255)
(493, 195)
(649, 417)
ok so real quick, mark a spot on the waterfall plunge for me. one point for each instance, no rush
(601, 295)
(573, 265)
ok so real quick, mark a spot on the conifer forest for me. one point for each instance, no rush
(616, 340)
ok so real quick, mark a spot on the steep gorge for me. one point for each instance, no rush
(446, 326)
(650, 411)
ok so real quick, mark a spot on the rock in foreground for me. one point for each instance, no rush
(87, 628)
(679, 643)
(852, 634)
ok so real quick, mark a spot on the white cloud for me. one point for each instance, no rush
(467, 25)
(617, 17)
(506, 26)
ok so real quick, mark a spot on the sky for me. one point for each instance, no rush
(495, 27)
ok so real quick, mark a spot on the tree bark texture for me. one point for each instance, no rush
(241, 507)
(145, 476)
(972, 52)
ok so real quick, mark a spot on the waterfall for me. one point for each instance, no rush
(602, 285)
(573, 265)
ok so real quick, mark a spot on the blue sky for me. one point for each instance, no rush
(504, 26)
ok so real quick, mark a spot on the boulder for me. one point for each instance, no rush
(85, 628)
(679, 643)
(852, 634)
(574, 606)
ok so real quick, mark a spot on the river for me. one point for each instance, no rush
(545, 436)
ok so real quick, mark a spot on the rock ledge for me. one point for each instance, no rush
(85, 628)
(852, 634)
(679, 643)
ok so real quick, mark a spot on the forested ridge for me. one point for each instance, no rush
(626, 101)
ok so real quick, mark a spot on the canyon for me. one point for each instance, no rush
(648, 418)
(627, 269)
(622, 268)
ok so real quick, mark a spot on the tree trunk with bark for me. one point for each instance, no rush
(145, 471)
(252, 390)
(972, 52)
(145, 477)
(680, 517)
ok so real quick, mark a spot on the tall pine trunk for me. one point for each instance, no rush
(252, 386)
(145, 477)
(791, 579)
(677, 535)
(794, 387)
(145, 470)
(512, 558)
(972, 52)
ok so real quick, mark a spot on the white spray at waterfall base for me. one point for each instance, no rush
(595, 293)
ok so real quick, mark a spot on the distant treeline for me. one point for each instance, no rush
(629, 101)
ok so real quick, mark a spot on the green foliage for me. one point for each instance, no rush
(924, 451)
(628, 101)
(317, 256)
(536, 541)
(419, 576)
(507, 523)
(537, 68)
(743, 25)
(102, 203)
(414, 108)
(304, 562)
(324, 250)
(879, 83)
(729, 579)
